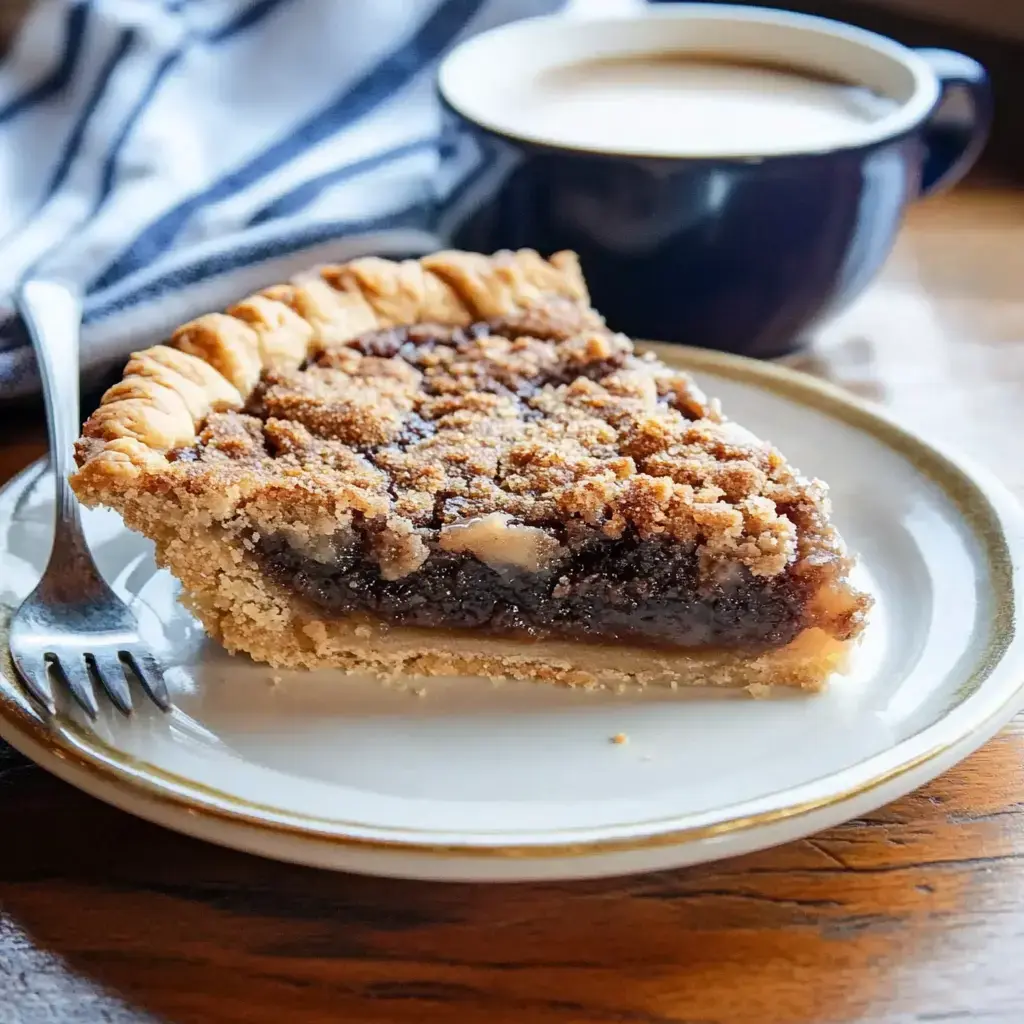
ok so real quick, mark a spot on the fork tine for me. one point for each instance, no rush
(36, 682)
(76, 675)
(110, 673)
(151, 675)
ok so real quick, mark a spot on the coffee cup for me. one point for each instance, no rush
(728, 175)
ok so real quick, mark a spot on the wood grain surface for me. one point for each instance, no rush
(915, 913)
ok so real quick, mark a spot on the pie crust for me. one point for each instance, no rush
(437, 435)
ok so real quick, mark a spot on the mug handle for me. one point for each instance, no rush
(955, 133)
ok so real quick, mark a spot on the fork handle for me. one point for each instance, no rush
(53, 313)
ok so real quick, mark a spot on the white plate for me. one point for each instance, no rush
(473, 781)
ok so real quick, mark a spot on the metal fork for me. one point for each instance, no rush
(72, 621)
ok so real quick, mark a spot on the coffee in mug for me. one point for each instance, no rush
(728, 175)
(693, 105)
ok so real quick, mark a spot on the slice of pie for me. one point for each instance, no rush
(451, 466)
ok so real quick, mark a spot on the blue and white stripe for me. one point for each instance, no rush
(169, 155)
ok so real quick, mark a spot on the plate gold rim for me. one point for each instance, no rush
(69, 747)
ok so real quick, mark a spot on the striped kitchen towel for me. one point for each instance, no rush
(171, 155)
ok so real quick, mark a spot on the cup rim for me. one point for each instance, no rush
(900, 122)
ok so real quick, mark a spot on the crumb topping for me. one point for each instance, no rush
(523, 427)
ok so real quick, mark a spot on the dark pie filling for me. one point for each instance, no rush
(647, 592)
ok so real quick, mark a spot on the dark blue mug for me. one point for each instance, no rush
(741, 249)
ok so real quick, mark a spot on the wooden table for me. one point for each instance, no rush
(915, 913)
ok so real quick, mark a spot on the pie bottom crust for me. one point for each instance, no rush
(248, 612)
(805, 663)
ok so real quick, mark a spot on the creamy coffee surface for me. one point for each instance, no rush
(689, 107)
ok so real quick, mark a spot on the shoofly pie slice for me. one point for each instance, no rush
(452, 466)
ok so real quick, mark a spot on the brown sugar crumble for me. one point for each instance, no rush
(424, 428)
